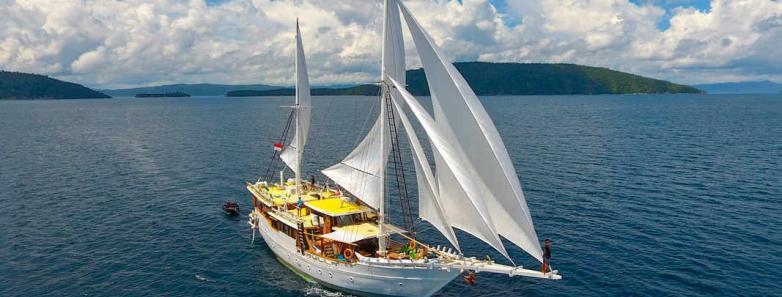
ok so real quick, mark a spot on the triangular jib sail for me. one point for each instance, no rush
(460, 116)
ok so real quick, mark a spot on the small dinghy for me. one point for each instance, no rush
(231, 208)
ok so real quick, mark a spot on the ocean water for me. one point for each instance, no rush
(642, 195)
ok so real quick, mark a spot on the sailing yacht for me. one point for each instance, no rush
(338, 233)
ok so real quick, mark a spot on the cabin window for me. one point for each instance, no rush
(349, 219)
(316, 221)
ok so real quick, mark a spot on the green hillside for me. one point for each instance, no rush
(549, 79)
(518, 79)
(17, 85)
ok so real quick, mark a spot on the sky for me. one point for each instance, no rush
(128, 43)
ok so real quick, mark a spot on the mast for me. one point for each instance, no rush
(292, 154)
(297, 108)
(382, 245)
(392, 66)
(381, 209)
(362, 172)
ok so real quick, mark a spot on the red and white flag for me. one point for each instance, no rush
(278, 147)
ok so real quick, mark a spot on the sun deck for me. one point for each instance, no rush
(292, 218)
(276, 195)
(336, 207)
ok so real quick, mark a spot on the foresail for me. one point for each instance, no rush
(429, 207)
(462, 117)
(304, 105)
(465, 211)
(360, 172)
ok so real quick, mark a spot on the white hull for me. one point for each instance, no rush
(359, 278)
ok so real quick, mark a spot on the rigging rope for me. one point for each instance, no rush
(399, 170)
(271, 169)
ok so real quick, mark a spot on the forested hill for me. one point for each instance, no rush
(17, 85)
(549, 79)
(519, 79)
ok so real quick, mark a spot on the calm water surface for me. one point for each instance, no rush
(642, 195)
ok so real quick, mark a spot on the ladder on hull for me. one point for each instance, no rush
(301, 241)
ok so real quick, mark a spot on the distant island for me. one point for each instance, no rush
(516, 79)
(159, 95)
(744, 87)
(17, 85)
(192, 89)
(360, 90)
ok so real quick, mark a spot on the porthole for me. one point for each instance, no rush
(332, 275)
(351, 279)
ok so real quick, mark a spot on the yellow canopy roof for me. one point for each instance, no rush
(353, 233)
(277, 194)
(335, 207)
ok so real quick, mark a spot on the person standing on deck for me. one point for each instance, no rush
(299, 204)
(546, 255)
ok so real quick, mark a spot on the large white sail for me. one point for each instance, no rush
(466, 126)
(465, 210)
(291, 155)
(429, 207)
(362, 172)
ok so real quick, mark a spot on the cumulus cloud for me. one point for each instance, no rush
(126, 43)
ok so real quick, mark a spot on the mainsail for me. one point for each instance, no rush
(466, 125)
(303, 107)
(362, 172)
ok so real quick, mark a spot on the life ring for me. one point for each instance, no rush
(411, 247)
(348, 253)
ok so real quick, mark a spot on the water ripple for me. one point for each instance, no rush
(642, 195)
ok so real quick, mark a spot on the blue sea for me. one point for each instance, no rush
(670, 195)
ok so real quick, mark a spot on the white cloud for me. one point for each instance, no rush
(134, 42)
